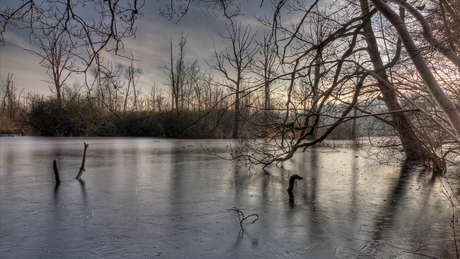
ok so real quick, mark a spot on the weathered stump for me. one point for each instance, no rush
(291, 186)
(82, 168)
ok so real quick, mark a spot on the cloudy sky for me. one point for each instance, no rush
(151, 45)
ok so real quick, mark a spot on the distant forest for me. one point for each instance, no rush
(318, 70)
(113, 114)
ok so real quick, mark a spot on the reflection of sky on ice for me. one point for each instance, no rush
(156, 197)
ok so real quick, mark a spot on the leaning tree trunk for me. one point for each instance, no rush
(419, 62)
(412, 146)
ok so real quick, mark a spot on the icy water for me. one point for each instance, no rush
(146, 198)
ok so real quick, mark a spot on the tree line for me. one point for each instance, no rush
(316, 70)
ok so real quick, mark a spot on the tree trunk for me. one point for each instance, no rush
(314, 107)
(267, 95)
(419, 62)
(412, 146)
(427, 33)
(353, 127)
(237, 113)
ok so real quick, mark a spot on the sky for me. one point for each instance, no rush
(151, 47)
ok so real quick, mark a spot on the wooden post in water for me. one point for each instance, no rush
(56, 171)
(82, 168)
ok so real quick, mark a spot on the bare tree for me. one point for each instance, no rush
(338, 67)
(266, 66)
(11, 108)
(62, 20)
(419, 62)
(108, 81)
(177, 73)
(9, 97)
(196, 80)
(132, 75)
(235, 63)
(154, 92)
(413, 148)
(57, 57)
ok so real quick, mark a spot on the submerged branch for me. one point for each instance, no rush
(241, 216)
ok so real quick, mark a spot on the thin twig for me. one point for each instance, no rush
(241, 216)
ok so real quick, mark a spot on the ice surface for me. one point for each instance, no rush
(144, 198)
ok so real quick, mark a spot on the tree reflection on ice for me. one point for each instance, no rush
(136, 203)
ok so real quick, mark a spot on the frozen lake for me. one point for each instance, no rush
(144, 198)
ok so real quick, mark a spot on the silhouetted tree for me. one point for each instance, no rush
(58, 57)
(235, 63)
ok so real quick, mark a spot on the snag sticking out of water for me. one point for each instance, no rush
(82, 168)
(56, 171)
(291, 186)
